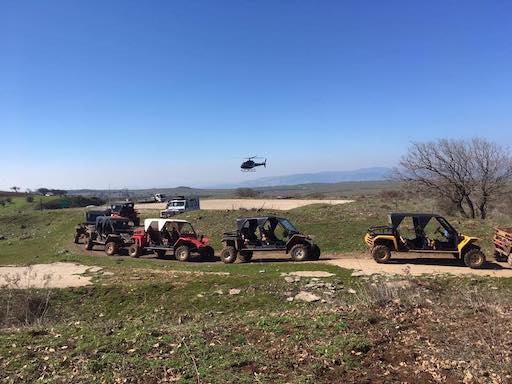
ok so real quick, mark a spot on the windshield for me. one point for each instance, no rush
(186, 229)
(177, 204)
(288, 226)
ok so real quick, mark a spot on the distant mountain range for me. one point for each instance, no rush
(363, 174)
(329, 183)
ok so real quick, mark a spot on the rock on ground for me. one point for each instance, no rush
(308, 297)
(309, 274)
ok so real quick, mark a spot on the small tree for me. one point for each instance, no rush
(15, 189)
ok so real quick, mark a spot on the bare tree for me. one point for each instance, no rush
(469, 174)
(492, 168)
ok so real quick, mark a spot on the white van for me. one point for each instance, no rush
(179, 205)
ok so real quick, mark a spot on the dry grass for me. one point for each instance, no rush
(24, 306)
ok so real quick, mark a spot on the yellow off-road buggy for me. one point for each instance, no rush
(422, 233)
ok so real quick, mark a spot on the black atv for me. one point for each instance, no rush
(267, 234)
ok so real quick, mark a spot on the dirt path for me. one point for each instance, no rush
(362, 263)
(55, 275)
(235, 204)
(416, 265)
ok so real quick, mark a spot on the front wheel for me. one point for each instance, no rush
(182, 253)
(228, 255)
(89, 243)
(111, 248)
(381, 254)
(134, 251)
(315, 252)
(499, 257)
(474, 258)
(299, 252)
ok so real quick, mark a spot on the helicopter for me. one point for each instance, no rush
(249, 164)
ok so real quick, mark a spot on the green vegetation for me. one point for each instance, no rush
(155, 320)
(152, 325)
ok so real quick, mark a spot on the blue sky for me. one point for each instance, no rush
(163, 93)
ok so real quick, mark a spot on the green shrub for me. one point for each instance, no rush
(72, 202)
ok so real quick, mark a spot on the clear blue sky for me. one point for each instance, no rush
(165, 93)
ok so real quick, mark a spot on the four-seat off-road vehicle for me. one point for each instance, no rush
(268, 234)
(163, 235)
(422, 233)
(83, 229)
(114, 233)
(124, 209)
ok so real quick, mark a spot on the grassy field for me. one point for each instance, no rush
(149, 321)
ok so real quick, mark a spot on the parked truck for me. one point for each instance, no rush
(179, 204)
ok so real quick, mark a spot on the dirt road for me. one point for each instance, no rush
(234, 204)
(363, 264)
(415, 265)
(61, 275)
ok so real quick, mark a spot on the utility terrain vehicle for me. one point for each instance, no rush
(422, 233)
(120, 209)
(267, 234)
(112, 232)
(163, 235)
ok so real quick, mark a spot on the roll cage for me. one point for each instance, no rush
(106, 225)
(420, 241)
(259, 223)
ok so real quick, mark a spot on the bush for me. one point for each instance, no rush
(29, 199)
(24, 307)
(315, 195)
(391, 195)
(246, 192)
(446, 207)
(72, 202)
